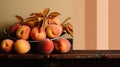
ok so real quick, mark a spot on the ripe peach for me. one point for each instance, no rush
(53, 31)
(22, 46)
(45, 46)
(23, 32)
(37, 34)
(54, 21)
(62, 45)
(31, 23)
(7, 45)
(13, 28)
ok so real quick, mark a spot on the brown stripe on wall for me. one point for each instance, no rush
(114, 25)
(90, 24)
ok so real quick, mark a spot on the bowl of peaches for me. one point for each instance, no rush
(44, 30)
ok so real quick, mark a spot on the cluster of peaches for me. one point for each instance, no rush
(43, 27)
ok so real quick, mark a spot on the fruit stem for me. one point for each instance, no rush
(39, 25)
(20, 19)
(70, 31)
(43, 23)
(65, 20)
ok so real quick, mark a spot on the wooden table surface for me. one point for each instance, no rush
(73, 54)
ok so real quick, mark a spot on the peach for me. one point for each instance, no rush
(23, 32)
(13, 28)
(62, 45)
(54, 21)
(22, 46)
(38, 34)
(7, 45)
(53, 31)
(45, 46)
(31, 23)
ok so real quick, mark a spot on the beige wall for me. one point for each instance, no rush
(79, 24)
(9, 8)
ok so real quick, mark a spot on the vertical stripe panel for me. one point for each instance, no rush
(90, 24)
(114, 25)
(79, 24)
(102, 24)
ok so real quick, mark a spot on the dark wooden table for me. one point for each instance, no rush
(73, 54)
(74, 57)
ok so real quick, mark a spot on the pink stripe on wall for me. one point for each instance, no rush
(90, 24)
(102, 24)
